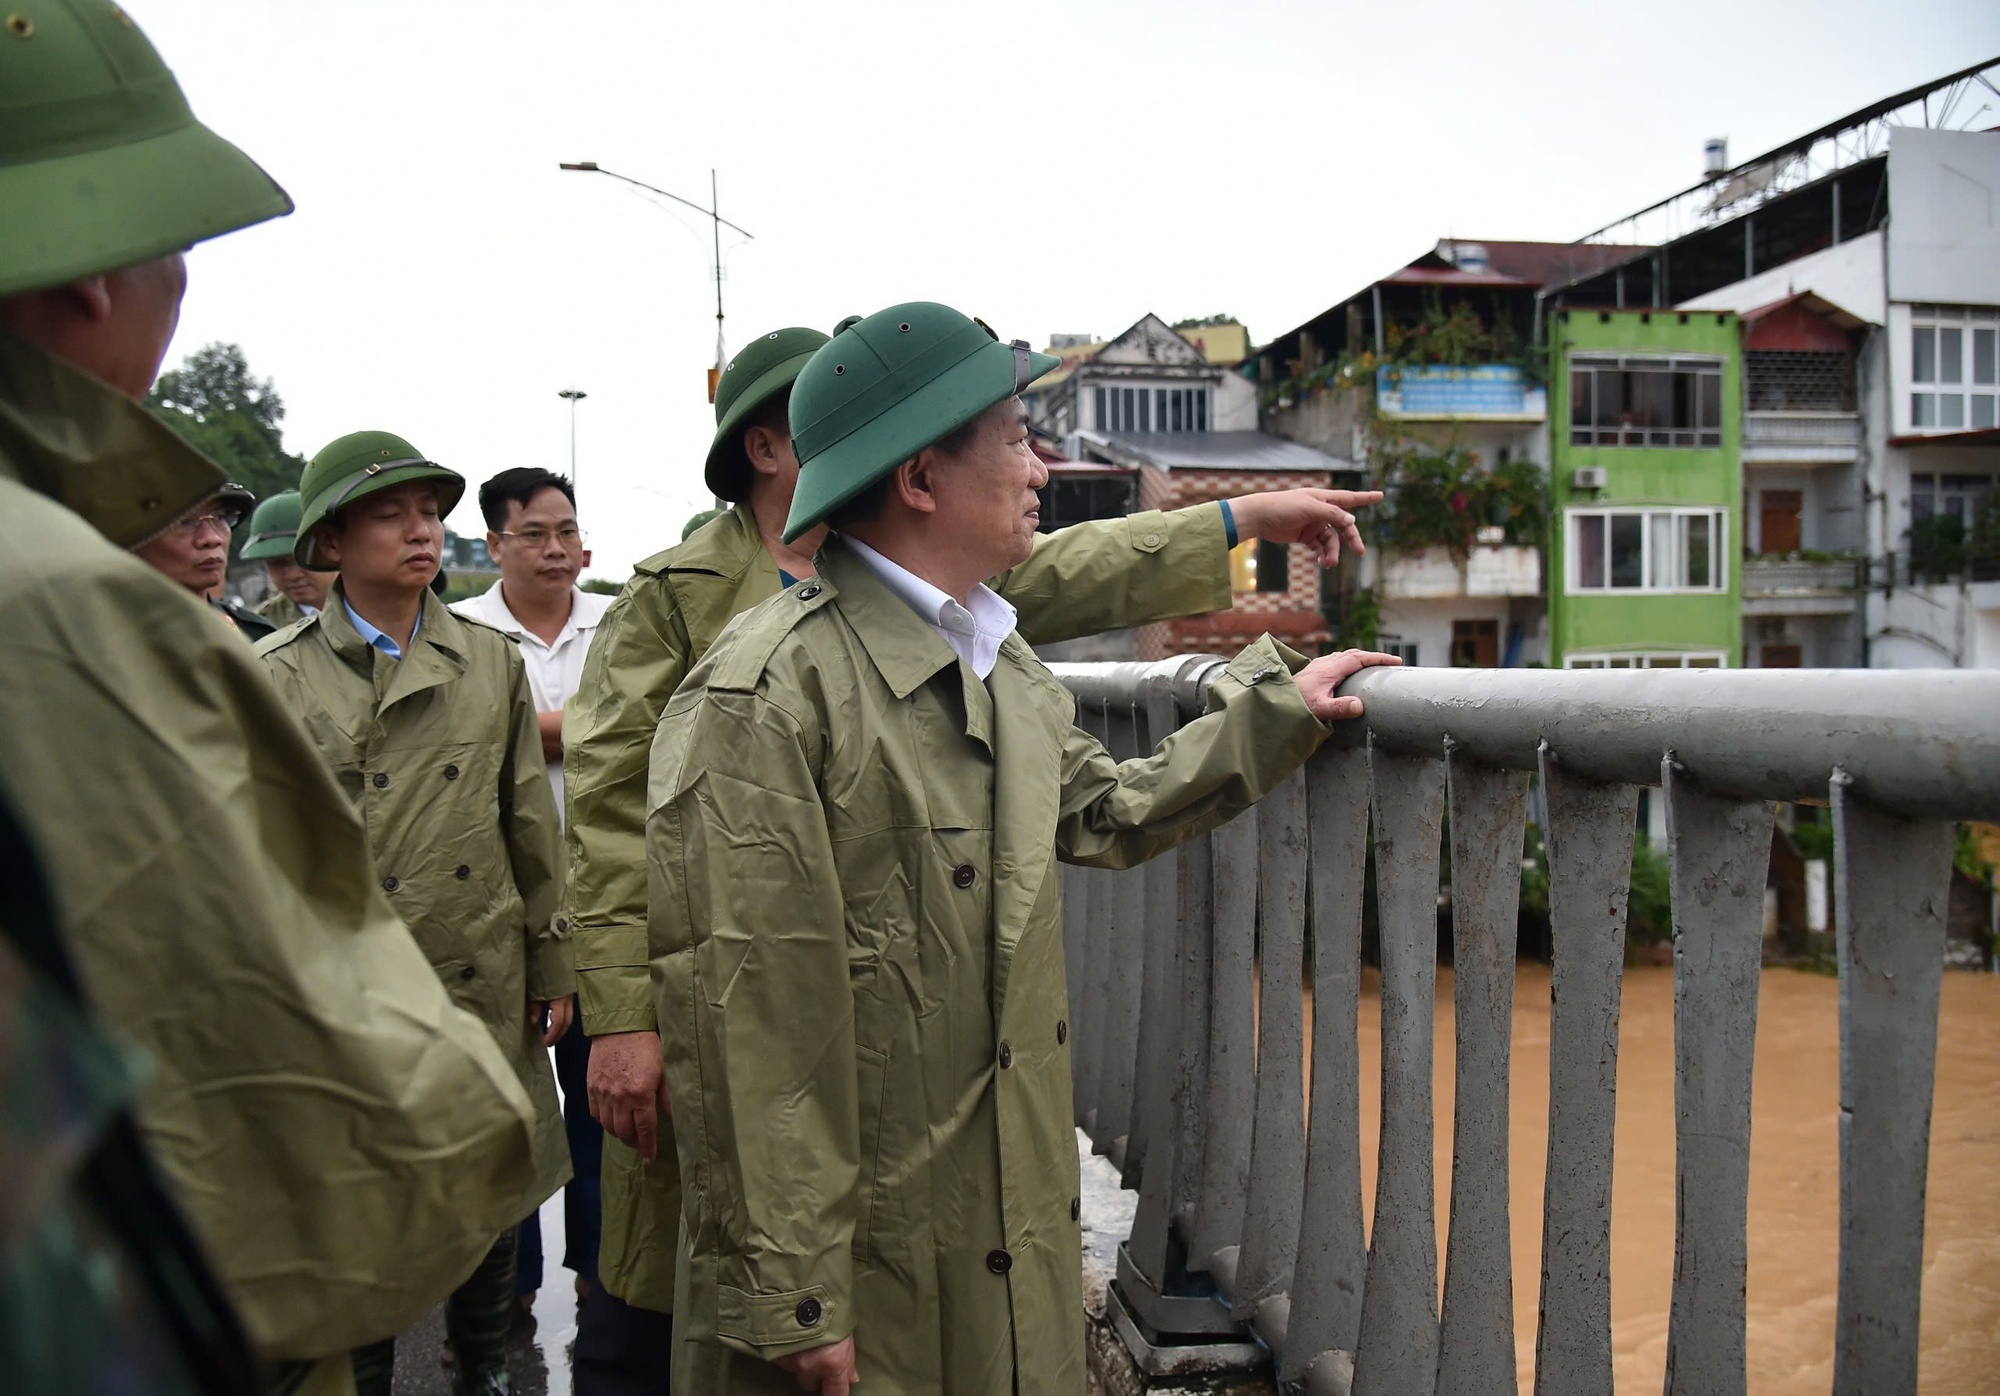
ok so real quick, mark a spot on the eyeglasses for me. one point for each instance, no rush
(570, 536)
(223, 521)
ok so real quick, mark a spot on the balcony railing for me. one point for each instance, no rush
(1186, 988)
(1487, 570)
(1779, 579)
(1805, 438)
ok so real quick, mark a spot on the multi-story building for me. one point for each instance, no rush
(1153, 420)
(1863, 263)
(1429, 377)
(1645, 479)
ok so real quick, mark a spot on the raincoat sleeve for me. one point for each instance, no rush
(1113, 574)
(760, 1057)
(534, 846)
(637, 659)
(1256, 732)
(345, 1141)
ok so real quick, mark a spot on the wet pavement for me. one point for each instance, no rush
(538, 1353)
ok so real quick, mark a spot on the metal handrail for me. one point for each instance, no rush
(1189, 1047)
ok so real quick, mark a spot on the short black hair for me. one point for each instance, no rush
(518, 486)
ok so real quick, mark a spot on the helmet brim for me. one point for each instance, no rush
(97, 210)
(727, 470)
(928, 415)
(268, 547)
(450, 489)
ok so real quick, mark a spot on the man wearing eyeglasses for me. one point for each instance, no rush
(532, 532)
(193, 552)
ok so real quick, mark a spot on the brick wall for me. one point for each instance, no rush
(1293, 615)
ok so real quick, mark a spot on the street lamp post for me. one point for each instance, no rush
(575, 395)
(717, 223)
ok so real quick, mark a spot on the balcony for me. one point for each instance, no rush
(1801, 438)
(1189, 979)
(1792, 587)
(1487, 570)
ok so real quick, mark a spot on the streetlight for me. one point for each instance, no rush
(717, 224)
(575, 395)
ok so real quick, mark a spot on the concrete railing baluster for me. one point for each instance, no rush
(1399, 1316)
(1893, 886)
(1721, 854)
(1476, 1334)
(1232, 1050)
(1124, 974)
(1588, 840)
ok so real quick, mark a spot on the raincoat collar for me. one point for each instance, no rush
(905, 649)
(82, 443)
(435, 655)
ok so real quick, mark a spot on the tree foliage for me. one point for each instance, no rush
(231, 416)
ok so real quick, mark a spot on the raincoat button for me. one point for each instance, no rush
(1062, 1031)
(562, 925)
(807, 1313)
(464, 871)
(1006, 1056)
(390, 884)
(381, 780)
(1076, 1209)
(1152, 540)
(998, 1261)
(809, 591)
(468, 973)
(962, 875)
(451, 773)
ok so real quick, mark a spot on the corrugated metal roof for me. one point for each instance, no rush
(1209, 450)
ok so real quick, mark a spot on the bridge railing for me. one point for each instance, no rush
(1186, 988)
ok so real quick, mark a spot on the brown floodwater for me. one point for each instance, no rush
(1794, 1177)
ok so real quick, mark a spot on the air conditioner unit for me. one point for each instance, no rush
(1589, 477)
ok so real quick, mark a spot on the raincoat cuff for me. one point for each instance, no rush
(616, 998)
(1266, 667)
(551, 971)
(781, 1323)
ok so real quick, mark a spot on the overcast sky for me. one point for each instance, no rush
(1063, 167)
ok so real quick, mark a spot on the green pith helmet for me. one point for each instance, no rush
(358, 465)
(766, 367)
(273, 527)
(699, 522)
(102, 165)
(885, 387)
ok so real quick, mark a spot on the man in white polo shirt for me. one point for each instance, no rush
(532, 532)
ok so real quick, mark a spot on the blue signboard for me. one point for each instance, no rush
(1460, 392)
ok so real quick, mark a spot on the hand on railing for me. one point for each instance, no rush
(1319, 519)
(1319, 680)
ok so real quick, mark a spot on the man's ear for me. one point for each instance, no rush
(760, 448)
(92, 294)
(913, 483)
(326, 542)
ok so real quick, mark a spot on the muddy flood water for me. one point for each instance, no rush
(1794, 1177)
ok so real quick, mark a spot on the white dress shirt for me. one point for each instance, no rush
(975, 631)
(554, 669)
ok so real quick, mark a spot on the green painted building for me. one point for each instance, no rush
(1646, 485)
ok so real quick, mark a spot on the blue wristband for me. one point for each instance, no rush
(1228, 523)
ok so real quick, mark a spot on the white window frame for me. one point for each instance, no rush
(1959, 388)
(1707, 371)
(1151, 406)
(1647, 659)
(1718, 549)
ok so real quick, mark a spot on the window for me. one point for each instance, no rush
(1405, 650)
(1698, 659)
(1648, 550)
(1633, 400)
(1954, 367)
(1256, 565)
(1789, 380)
(1152, 409)
(1475, 644)
(1948, 497)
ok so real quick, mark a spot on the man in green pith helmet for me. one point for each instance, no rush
(296, 592)
(1079, 581)
(193, 552)
(855, 806)
(428, 722)
(344, 1141)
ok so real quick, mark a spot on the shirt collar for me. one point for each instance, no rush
(379, 639)
(975, 629)
(491, 606)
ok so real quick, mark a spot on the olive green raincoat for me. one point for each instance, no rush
(440, 753)
(345, 1141)
(1082, 580)
(837, 800)
(280, 610)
